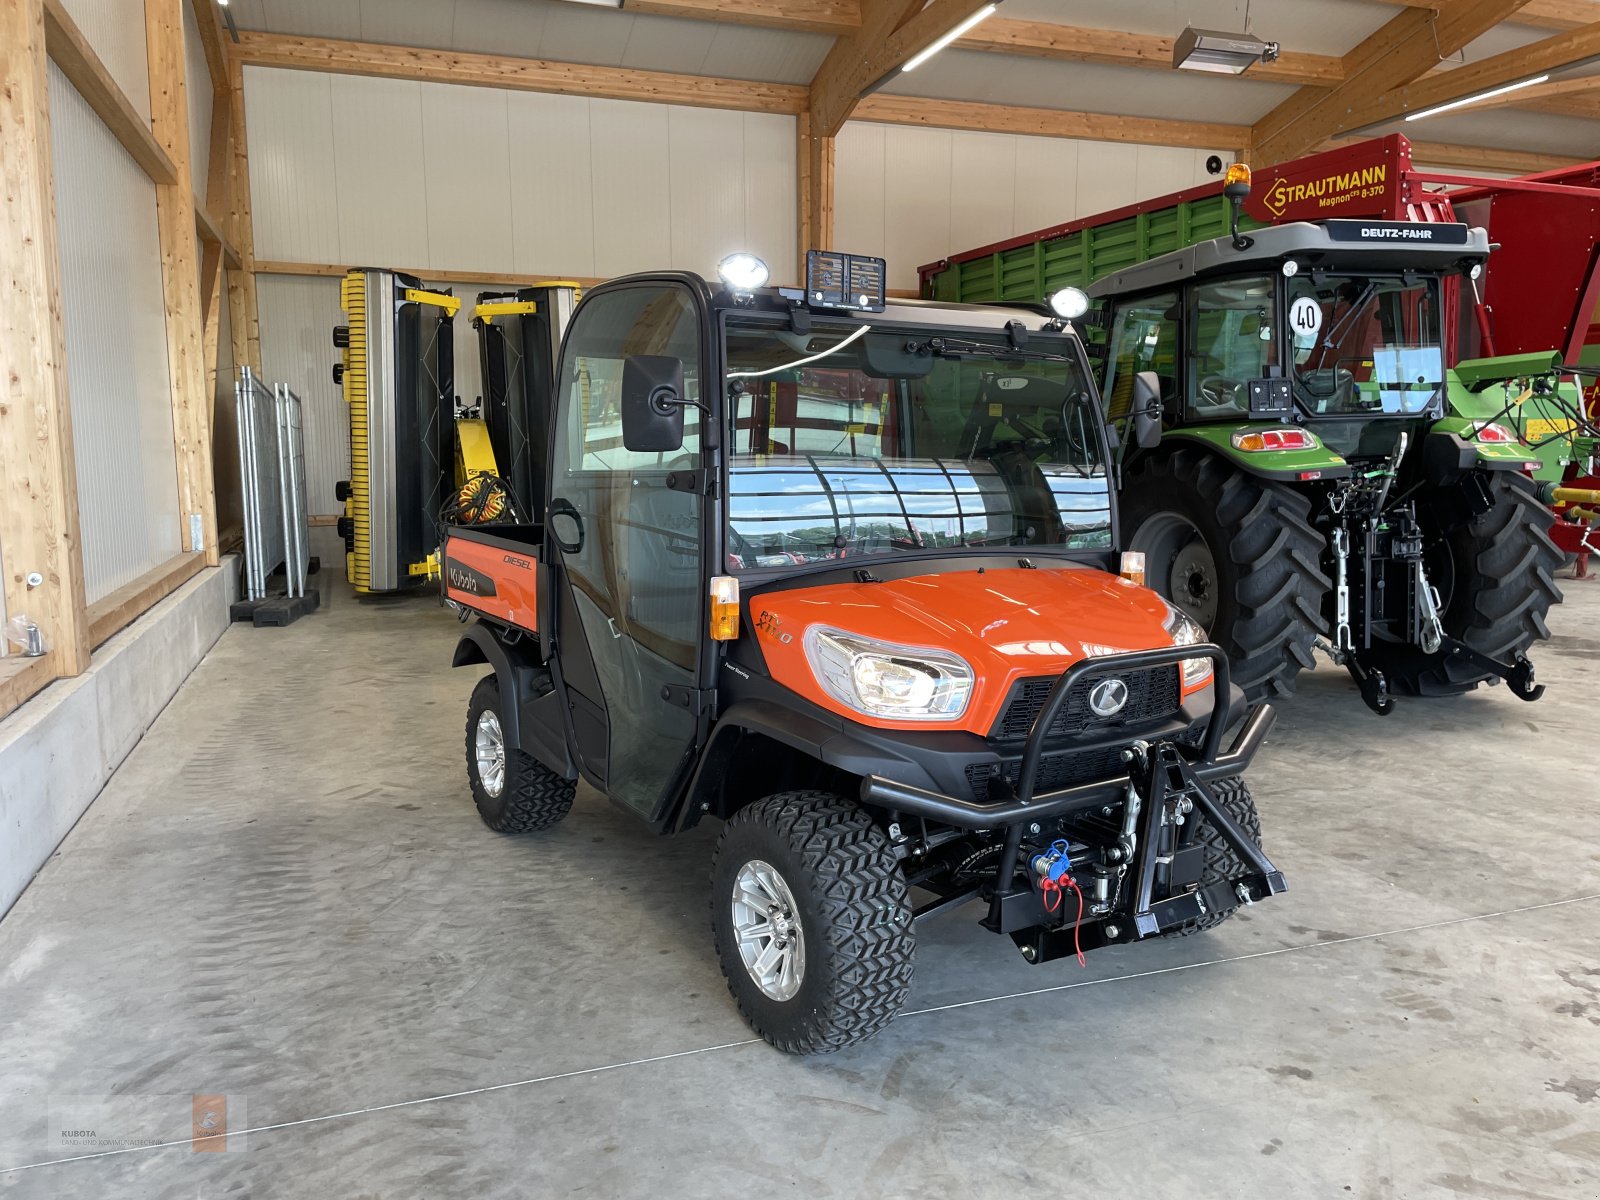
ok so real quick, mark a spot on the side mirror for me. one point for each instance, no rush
(652, 403)
(1146, 409)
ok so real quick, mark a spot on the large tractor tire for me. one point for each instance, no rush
(1238, 554)
(1222, 862)
(1495, 574)
(812, 919)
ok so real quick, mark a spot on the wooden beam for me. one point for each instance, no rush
(1050, 122)
(22, 677)
(213, 40)
(840, 18)
(1551, 54)
(71, 51)
(337, 270)
(244, 321)
(39, 507)
(1486, 158)
(1406, 48)
(891, 33)
(1110, 47)
(128, 603)
(176, 223)
(515, 74)
(211, 234)
(817, 191)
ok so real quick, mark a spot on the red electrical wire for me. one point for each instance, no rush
(1076, 945)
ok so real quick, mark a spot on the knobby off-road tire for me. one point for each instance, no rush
(528, 795)
(1267, 579)
(1221, 863)
(852, 906)
(1496, 579)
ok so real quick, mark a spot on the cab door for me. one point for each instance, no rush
(627, 532)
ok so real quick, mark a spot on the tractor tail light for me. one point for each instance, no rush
(724, 608)
(1492, 431)
(1275, 439)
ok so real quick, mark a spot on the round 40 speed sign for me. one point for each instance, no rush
(1305, 319)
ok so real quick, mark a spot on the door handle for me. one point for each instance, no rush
(565, 508)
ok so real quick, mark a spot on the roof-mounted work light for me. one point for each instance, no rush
(742, 272)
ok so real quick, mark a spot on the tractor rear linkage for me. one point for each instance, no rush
(1158, 776)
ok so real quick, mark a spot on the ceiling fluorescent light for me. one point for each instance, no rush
(983, 14)
(1473, 99)
(1222, 53)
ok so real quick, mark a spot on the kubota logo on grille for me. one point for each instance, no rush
(1108, 697)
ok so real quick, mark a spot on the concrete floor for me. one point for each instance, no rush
(284, 895)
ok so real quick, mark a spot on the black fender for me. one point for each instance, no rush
(1447, 456)
(532, 721)
(831, 745)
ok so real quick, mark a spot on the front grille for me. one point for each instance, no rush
(1152, 694)
(1056, 771)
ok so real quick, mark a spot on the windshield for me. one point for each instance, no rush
(1365, 344)
(851, 442)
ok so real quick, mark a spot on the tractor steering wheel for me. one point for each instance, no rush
(1219, 389)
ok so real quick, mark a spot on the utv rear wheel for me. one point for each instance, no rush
(1238, 554)
(1495, 574)
(1221, 863)
(514, 792)
(812, 920)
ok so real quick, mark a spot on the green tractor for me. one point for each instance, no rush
(1293, 470)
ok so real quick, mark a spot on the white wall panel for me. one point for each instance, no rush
(706, 200)
(552, 186)
(630, 161)
(115, 28)
(770, 180)
(117, 377)
(379, 168)
(294, 197)
(298, 314)
(918, 195)
(199, 89)
(468, 178)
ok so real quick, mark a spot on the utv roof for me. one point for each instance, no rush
(1329, 245)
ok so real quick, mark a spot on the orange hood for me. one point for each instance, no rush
(1008, 624)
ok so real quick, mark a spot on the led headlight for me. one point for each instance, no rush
(1186, 631)
(878, 679)
(1069, 303)
(742, 272)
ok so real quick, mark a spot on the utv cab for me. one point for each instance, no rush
(843, 574)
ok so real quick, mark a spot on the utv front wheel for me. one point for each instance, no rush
(812, 921)
(1221, 861)
(514, 792)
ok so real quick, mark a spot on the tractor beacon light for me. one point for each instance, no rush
(1275, 439)
(1238, 176)
(724, 608)
(1069, 303)
(742, 272)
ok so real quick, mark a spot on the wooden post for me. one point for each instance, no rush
(180, 281)
(244, 322)
(39, 507)
(816, 188)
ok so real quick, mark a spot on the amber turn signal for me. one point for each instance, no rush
(1133, 566)
(724, 608)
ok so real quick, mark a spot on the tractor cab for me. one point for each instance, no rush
(1335, 329)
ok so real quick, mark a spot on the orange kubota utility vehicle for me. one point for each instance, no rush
(842, 574)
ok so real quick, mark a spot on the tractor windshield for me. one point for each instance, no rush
(1365, 345)
(852, 441)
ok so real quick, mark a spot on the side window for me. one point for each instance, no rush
(1144, 337)
(1233, 343)
(644, 320)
